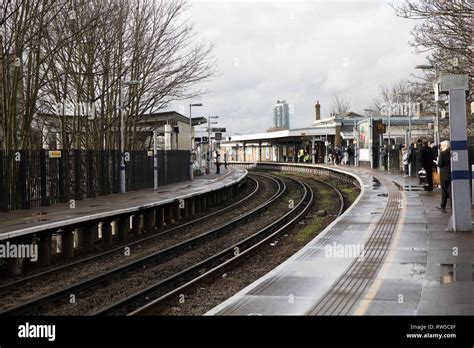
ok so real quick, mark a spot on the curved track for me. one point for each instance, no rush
(17, 283)
(34, 306)
(146, 301)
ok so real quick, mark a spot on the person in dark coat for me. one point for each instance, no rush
(426, 162)
(444, 164)
(218, 163)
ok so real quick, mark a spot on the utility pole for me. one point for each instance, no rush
(122, 133)
(155, 161)
(191, 145)
(209, 147)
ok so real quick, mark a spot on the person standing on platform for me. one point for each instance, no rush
(350, 153)
(306, 157)
(301, 155)
(225, 160)
(444, 164)
(218, 163)
(426, 161)
(405, 159)
(383, 158)
(337, 153)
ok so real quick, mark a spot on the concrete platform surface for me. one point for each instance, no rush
(425, 270)
(22, 222)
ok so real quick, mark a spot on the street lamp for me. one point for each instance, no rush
(408, 142)
(389, 147)
(191, 147)
(122, 136)
(370, 111)
(436, 136)
(208, 162)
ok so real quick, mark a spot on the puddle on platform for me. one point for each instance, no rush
(456, 272)
(41, 213)
(376, 184)
(34, 221)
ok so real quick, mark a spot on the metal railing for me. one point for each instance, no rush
(30, 179)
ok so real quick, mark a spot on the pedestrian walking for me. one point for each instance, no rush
(444, 164)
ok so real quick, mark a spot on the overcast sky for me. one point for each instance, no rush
(299, 51)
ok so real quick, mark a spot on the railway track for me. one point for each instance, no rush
(148, 300)
(4, 288)
(34, 306)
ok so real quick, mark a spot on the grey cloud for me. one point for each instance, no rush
(298, 51)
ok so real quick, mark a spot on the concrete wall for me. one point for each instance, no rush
(182, 138)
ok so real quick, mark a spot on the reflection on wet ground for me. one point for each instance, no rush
(452, 272)
(376, 184)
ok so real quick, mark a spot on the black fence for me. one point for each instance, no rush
(30, 179)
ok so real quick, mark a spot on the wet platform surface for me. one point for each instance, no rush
(22, 222)
(425, 270)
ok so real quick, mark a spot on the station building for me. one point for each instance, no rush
(336, 130)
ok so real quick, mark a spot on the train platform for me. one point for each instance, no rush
(388, 254)
(23, 222)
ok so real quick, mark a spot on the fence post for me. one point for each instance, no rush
(23, 177)
(43, 188)
(3, 203)
(90, 173)
(61, 171)
(77, 174)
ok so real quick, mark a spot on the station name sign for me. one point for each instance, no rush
(218, 130)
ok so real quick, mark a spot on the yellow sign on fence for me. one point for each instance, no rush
(54, 154)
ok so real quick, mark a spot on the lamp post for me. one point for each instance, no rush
(208, 162)
(356, 143)
(122, 131)
(191, 147)
(389, 146)
(371, 157)
(409, 127)
(436, 119)
(155, 161)
(326, 146)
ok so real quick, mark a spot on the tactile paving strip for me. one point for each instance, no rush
(349, 287)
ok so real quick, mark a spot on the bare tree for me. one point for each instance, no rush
(445, 30)
(78, 52)
(340, 105)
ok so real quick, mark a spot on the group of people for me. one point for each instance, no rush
(337, 155)
(427, 159)
(304, 156)
(340, 155)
